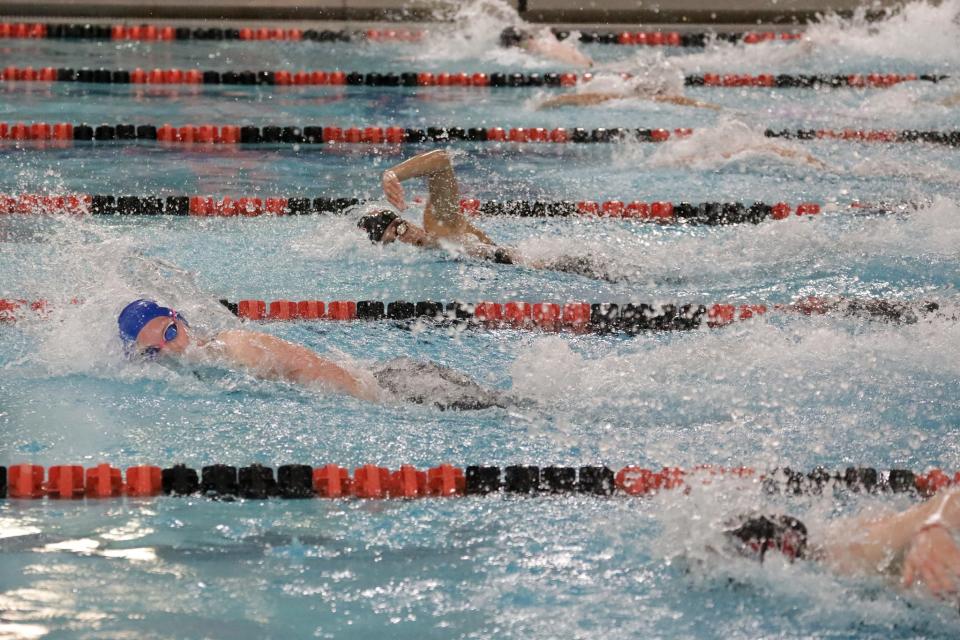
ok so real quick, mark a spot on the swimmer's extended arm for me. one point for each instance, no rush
(548, 46)
(578, 100)
(441, 216)
(924, 533)
(589, 99)
(684, 101)
(271, 358)
(785, 152)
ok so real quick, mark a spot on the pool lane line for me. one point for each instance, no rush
(516, 79)
(662, 212)
(578, 317)
(370, 481)
(206, 137)
(166, 33)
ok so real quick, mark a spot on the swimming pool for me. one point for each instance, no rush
(774, 391)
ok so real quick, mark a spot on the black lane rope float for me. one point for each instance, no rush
(205, 136)
(430, 79)
(370, 481)
(163, 33)
(576, 316)
(705, 213)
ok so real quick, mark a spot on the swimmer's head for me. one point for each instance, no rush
(754, 536)
(513, 37)
(146, 328)
(376, 224)
(385, 227)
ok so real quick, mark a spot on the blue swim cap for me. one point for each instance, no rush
(138, 313)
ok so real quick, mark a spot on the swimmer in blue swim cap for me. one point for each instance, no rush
(445, 226)
(149, 329)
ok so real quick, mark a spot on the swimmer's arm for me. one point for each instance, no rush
(441, 216)
(951, 101)
(270, 357)
(578, 100)
(870, 545)
(784, 152)
(684, 101)
(492, 252)
(549, 47)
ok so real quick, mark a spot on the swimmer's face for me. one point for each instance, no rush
(163, 335)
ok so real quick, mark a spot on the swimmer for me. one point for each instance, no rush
(893, 311)
(150, 330)
(917, 543)
(544, 42)
(665, 87)
(444, 226)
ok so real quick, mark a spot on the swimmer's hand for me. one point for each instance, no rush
(393, 190)
(934, 559)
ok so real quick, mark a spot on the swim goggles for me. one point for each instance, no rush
(169, 335)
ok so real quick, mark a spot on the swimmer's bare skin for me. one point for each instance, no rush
(590, 98)
(444, 223)
(792, 154)
(545, 44)
(441, 217)
(266, 356)
(261, 354)
(769, 147)
(920, 540)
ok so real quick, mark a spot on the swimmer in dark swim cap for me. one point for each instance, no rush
(444, 225)
(544, 43)
(919, 543)
(150, 330)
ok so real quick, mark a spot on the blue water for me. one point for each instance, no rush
(781, 390)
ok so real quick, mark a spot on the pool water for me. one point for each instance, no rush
(780, 390)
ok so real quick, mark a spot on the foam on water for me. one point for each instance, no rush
(730, 143)
(922, 32)
(476, 36)
(765, 388)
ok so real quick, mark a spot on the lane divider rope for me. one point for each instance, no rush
(66, 133)
(164, 33)
(370, 481)
(706, 213)
(515, 79)
(576, 316)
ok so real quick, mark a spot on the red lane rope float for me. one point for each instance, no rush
(709, 213)
(516, 79)
(600, 317)
(204, 136)
(166, 33)
(370, 481)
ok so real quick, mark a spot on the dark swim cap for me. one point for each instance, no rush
(512, 37)
(138, 313)
(376, 224)
(755, 536)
